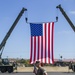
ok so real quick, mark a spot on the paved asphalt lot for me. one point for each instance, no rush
(30, 73)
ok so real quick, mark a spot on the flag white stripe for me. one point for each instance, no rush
(51, 42)
(40, 49)
(43, 44)
(36, 47)
(47, 43)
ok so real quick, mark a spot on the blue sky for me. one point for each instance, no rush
(18, 44)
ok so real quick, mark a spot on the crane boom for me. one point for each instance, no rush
(66, 16)
(11, 29)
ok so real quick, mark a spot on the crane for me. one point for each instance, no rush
(71, 65)
(10, 31)
(66, 17)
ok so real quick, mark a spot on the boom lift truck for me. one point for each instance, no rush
(4, 63)
(71, 65)
(66, 17)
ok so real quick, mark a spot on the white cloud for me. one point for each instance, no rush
(65, 32)
(72, 12)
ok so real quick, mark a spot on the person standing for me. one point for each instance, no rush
(39, 70)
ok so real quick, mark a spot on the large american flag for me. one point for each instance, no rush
(42, 42)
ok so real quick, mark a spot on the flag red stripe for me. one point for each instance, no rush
(45, 42)
(34, 48)
(31, 51)
(41, 49)
(38, 47)
(52, 41)
(49, 42)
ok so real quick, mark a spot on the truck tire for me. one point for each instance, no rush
(73, 68)
(3, 69)
(10, 69)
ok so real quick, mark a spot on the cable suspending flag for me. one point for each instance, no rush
(42, 42)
